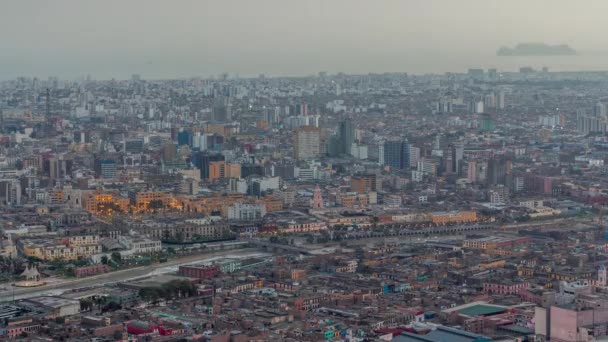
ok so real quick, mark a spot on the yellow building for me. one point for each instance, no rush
(496, 263)
(98, 203)
(441, 218)
(141, 200)
(61, 249)
(351, 200)
(525, 271)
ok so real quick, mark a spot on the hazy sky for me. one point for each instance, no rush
(180, 38)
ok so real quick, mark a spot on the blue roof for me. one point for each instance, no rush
(442, 334)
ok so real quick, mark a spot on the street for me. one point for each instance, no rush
(10, 292)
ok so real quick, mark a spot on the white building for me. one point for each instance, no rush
(141, 245)
(359, 151)
(242, 211)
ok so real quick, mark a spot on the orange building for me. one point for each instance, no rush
(363, 184)
(221, 170)
(351, 200)
(272, 203)
(298, 274)
(56, 196)
(98, 203)
(141, 200)
(262, 124)
(453, 217)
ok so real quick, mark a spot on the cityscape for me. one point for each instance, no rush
(450, 206)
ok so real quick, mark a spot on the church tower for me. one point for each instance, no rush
(317, 198)
(601, 275)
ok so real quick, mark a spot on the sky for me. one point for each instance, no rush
(188, 38)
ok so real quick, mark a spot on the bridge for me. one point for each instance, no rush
(278, 247)
(393, 232)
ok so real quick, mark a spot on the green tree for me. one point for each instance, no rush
(86, 304)
(104, 259)
(116, 257)
(155, 205)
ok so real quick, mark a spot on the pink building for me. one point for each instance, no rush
(505, 288)
(86, 271)
(570, 325)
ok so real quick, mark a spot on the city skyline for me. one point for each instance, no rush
(313, 170)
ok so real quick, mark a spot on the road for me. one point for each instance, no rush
(123, 275)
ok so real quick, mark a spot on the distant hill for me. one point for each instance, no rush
(536, 49)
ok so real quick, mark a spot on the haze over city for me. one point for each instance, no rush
(160, 39)
(303, 171)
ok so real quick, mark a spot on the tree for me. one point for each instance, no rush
(104, 259)
(111, 306)
(116, 257)
(155, 205)
(86, 304)
(100, 301)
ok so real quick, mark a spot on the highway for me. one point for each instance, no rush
(11, 292)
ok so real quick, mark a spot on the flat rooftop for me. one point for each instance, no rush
(481, 310)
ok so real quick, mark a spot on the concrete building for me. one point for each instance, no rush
(307, 143)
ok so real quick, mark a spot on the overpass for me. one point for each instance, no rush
(277, 247)
(394, 232)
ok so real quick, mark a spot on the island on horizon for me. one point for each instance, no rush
(536, 49)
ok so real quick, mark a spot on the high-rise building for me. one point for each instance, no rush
(10, 192)
(397, 154)
(183, 138)
(307, 143)
(599, 110)
(169, 152)
(452, 157)
(381, 154)
(487, 123)
(489, 101)
(586, 124)
(219, 170)
(222, 112)
(414, 156)
(346, 134)
(471, 171)
(427, 166)
(201, 160)
(501, 100)
(59, 167)
(478, 107)
(107, 168)
(499, 168)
